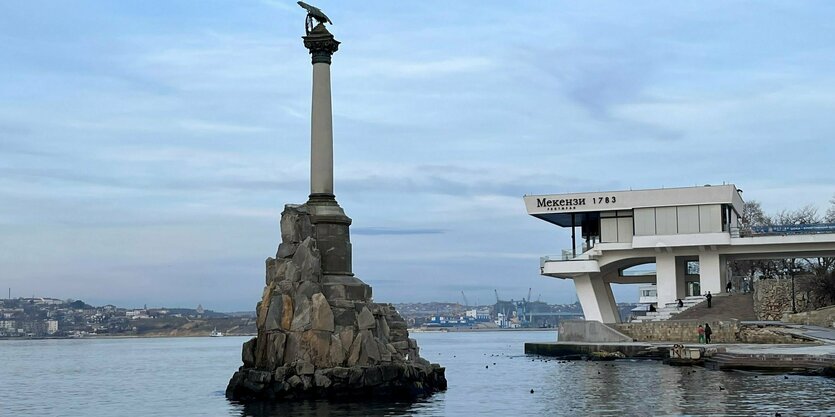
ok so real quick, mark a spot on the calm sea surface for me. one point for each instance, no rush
(487, 372)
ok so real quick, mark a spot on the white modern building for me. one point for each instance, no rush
(51, 326)
(668, 227)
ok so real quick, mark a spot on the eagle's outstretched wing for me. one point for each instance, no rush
(315, 13)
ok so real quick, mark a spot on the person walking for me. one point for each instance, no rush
(708, 297)
(708, 332)
(701, 331)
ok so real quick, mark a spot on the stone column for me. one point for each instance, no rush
(322, 46)
(330, 222)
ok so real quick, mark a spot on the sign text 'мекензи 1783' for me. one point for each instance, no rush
(562, 204)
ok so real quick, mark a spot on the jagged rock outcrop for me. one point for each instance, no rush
(321, 336)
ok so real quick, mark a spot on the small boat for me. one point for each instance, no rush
(216, 333)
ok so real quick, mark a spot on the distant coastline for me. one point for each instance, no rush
(488, 329)
(122, 336)
(207, 334)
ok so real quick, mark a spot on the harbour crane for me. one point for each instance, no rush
(466, 303)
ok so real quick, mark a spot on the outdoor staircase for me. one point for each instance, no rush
(671, 309)
(725, 306)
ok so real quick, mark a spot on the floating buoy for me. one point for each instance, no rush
(531, 391)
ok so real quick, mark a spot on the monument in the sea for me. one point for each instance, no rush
(319, 333)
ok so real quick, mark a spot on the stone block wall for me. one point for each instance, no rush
(824, 317)
(772, 297)
(686, 331)
(680, 331)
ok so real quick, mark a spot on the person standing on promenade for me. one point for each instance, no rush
(701, 331)
(708, 297)
(708, 332)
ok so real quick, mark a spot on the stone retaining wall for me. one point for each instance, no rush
(685, 331)
(824, 317)
(772, 297)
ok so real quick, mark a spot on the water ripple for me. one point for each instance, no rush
(487, 376)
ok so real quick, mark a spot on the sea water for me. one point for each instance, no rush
(488, 374)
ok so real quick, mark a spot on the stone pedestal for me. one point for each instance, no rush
(333, 234)
(319, 333)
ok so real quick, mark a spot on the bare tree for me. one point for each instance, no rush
(804, 215)
(753, 215)
(824, 268)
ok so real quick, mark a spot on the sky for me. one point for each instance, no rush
(147, 148)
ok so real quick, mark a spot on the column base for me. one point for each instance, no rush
(331, 227)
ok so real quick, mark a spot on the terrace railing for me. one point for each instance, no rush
(786, 229)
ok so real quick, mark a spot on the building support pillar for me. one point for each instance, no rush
(712, 273)
(681, 277)
(669, 278)
(596, 298)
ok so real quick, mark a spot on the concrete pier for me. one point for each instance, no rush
(814, 355)
(797, 359)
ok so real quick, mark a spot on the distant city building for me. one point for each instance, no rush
(480, 315)
(48, 301)
(51, 327)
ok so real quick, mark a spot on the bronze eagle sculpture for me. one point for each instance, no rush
(313, 13)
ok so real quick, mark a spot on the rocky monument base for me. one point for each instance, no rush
(321, 336)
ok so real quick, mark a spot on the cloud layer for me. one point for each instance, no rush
(146, 152)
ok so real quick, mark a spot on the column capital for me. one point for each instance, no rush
(321, 44)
